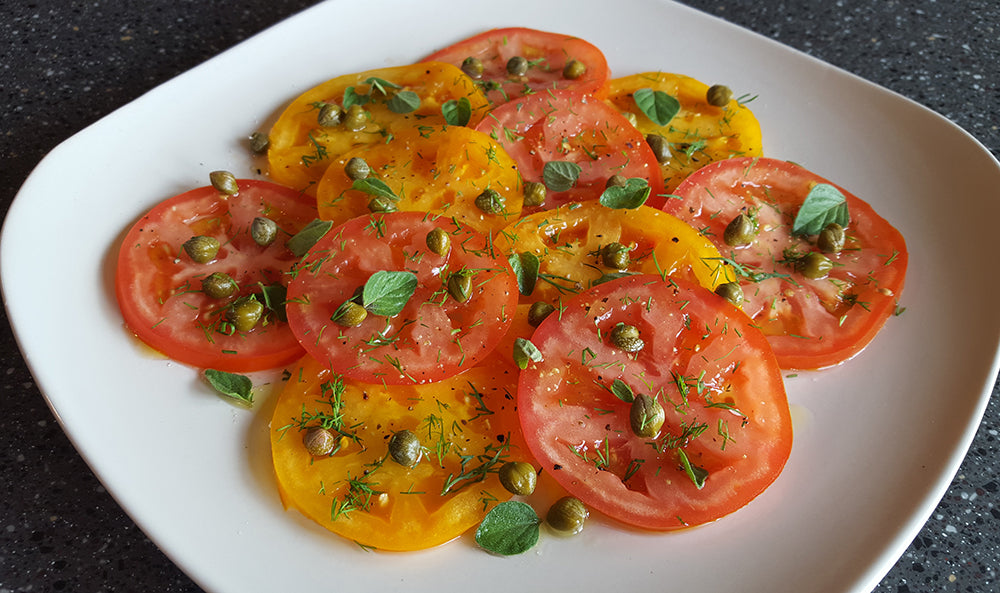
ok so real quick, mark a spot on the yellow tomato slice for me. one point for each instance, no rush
(301, 148)
(700, 133)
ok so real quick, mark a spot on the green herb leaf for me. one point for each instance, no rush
(525, 352)
(510, 528)
(560, 175)
(457, 113)
(374, 187)
(824, 204)
(380, 85)
(386, 293)
(525, 266)
(403, 102)
(301, 242)
(657, 105)
(611, 276)
(238, 387)
(622, 391)
(273, 296)
(697, 474)
(352, 97)
(633, 194)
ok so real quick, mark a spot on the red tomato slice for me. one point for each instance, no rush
(159, 286)
(570, 127)
(727, 422)
(434, 336)
(810, 322)
(546, 53)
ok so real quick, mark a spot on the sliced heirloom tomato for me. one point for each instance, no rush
(813, 317)
(727, 429)
(318, 126)
(435, 335)
(699, 133)
(466, 428)
(579, 140)
(442, 170)
(160, 287)
(546, 62)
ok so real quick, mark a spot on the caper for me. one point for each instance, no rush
(615, 255)
(574, 69)
(218, 285)
(460, 286)
(349, 314)
(518, 477)
(330, 115)
(732, 292)
(660, 147)
(538, 312)
(357, 168)
(356, 118)
(831, 238)
(490, 202)
(259, 142)
(718, 95)
(224, 182)
(473, 67)
(245, 313)
(740, 231)
(438, 241)
(404, 448)
(815, 265)
(201, 249)
(626, 337)
(534, 193)
(567, 515)
(381, 204)
(646, 416)
(517, 66)
(319, 441)
(263, 231)
(616, 181)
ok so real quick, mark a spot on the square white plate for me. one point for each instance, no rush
(877, 439)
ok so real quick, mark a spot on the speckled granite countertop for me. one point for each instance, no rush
(65, 64)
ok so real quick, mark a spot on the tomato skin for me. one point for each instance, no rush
(159, 287)
(810, 323)
(552, 50)
(581, 433)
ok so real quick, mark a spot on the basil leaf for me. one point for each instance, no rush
(457, 113)
(510, 528)
(273, 296)
(525, 266)
(657, 105)
(560, 175)
(386, 293)
(380, 84)
(353, 97)
(622, 391)
(824, 204)
(301, 242)
(633, 194)
(403, 102)
(238, 387)
(525, 352)
(697, 474)
(374, 187)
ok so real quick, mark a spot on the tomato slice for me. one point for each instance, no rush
(159, 286)
(546, 54)
(700, 133)
(570, 127)
(727, 430)
(435, 335)
(441, 170)
(301, 148)
(466, 426)
(810, 322)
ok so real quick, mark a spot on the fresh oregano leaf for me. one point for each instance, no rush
(238, 387)
(353, 97)
(560, 175)
(386, 293)
(510, 528)
(403, 102)
(374, 187)
(697, 474)
(622, 391)
(657, 105)
(380, 85)
(824, 204)
(301, 242)
(525, 352)
(457, 113)
(273, 296)
(633, 194)
(525, 266)
(610, 276)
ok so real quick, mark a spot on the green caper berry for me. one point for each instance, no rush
(538, 312)
(732, 292)
(350, 314)
(404, 448)
(534, 193)
(319, 442)
(218, 285)
(518, 477)
(517, 66)
(460, 286)
(646, 416)
(574, 69)
(740, 231)
(245, 313)
(263, 231)
(224, 182)
(201, 249)
(615, 255)
(718, 95)
(356, 118)
(259, 142)
(357, 168)
(567, 515)
(490, 202)
(815, 265)
(831, 238)
(626, 337)
(616, 181)
(660, 147)
(631, 117)
(330, 115)
(473, 67)
(381, 204)
(438, 241)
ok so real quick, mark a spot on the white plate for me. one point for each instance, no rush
(877, 439)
